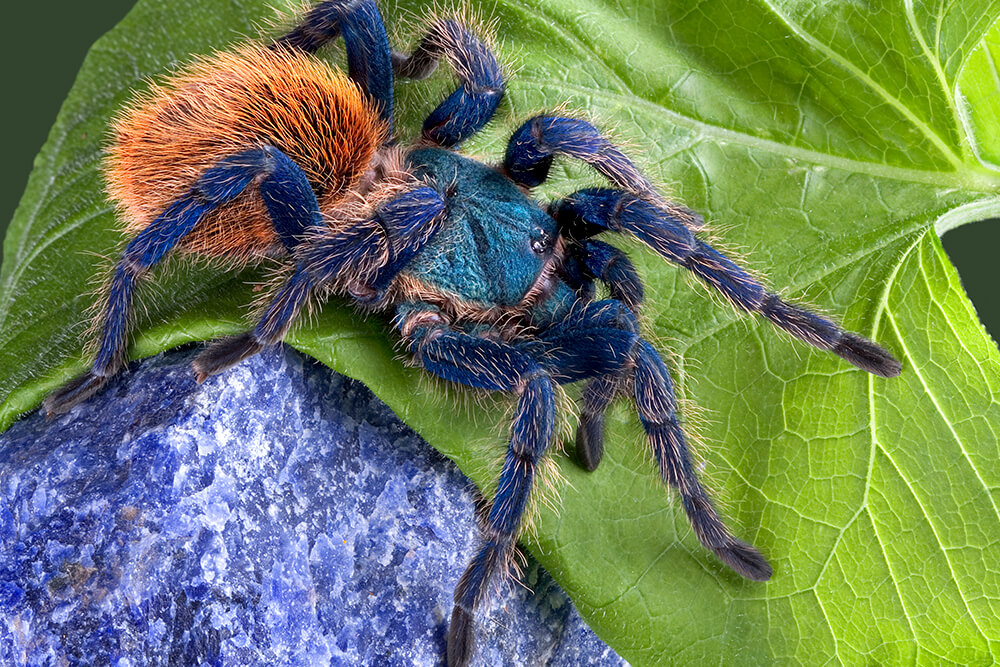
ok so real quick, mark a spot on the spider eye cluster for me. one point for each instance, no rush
(541, 243)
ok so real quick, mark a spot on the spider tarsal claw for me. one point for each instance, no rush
(461, 638)
(72, 393)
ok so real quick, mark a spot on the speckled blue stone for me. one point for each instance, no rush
(279, 514)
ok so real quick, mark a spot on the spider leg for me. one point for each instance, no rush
(612, 267)
(657, 407)
(586, 336)
(276, 176)
(487, 364)
(473, 103)
(592, 211)
(281, 312)
(602, 339)
(363, 257)
(368, 56)
(535, 144)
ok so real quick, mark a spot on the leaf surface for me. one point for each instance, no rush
(828, 143)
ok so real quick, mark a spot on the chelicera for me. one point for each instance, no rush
(265, 151)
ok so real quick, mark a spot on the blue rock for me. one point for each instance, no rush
(279, 514)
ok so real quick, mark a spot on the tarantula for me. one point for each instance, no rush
(266, 151)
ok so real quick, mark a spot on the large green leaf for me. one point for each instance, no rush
(830, 142)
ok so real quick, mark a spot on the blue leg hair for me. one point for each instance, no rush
(364, 258)
(534, 145)
(294, 212)
(603, 337)
(220, 184)
(592, 343)
(597, 396)
(472, 105)
(592, 211)
(657, 407)
(272, 327)
(497, 366)
(612, 267)
(369, 62)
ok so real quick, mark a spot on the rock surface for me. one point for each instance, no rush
(279, 514)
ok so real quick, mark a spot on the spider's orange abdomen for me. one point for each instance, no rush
(226, 103)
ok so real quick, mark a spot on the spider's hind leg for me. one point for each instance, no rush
(473, 103)
(294, 212)
(363, 258)
(227, 352)
(369, 62)
(217, 186)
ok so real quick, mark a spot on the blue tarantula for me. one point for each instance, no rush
(266, 151)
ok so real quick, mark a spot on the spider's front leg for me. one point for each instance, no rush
(601, 339)
(591, 260)
(534, 146)
(638, 209)
(595, 210)
(496, 366)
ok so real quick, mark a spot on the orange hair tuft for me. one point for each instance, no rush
(224, 104)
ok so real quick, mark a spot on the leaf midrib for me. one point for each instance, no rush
(865, 79)
(973, 172)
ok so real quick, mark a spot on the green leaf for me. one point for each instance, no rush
(828, 143)
(977, 99)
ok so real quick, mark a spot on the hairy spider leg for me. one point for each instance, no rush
(533, 147)
(293, 209)
(365, 257)
(497, 366)
(228, 351)
(596, 398)
(657, 407)
(276, 175)
(594, 210)
(610, 265)
(369, 62)
(602, 339)
(473, 103)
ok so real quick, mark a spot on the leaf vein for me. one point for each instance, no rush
(933, 61)
(940, 410)
(856, 71)
(937, 538)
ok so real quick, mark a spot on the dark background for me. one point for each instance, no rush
(44, 44)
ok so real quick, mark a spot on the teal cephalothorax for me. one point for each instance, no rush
(269, 152)
(494, 242)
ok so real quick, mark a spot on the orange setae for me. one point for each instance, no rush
(226, 103)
